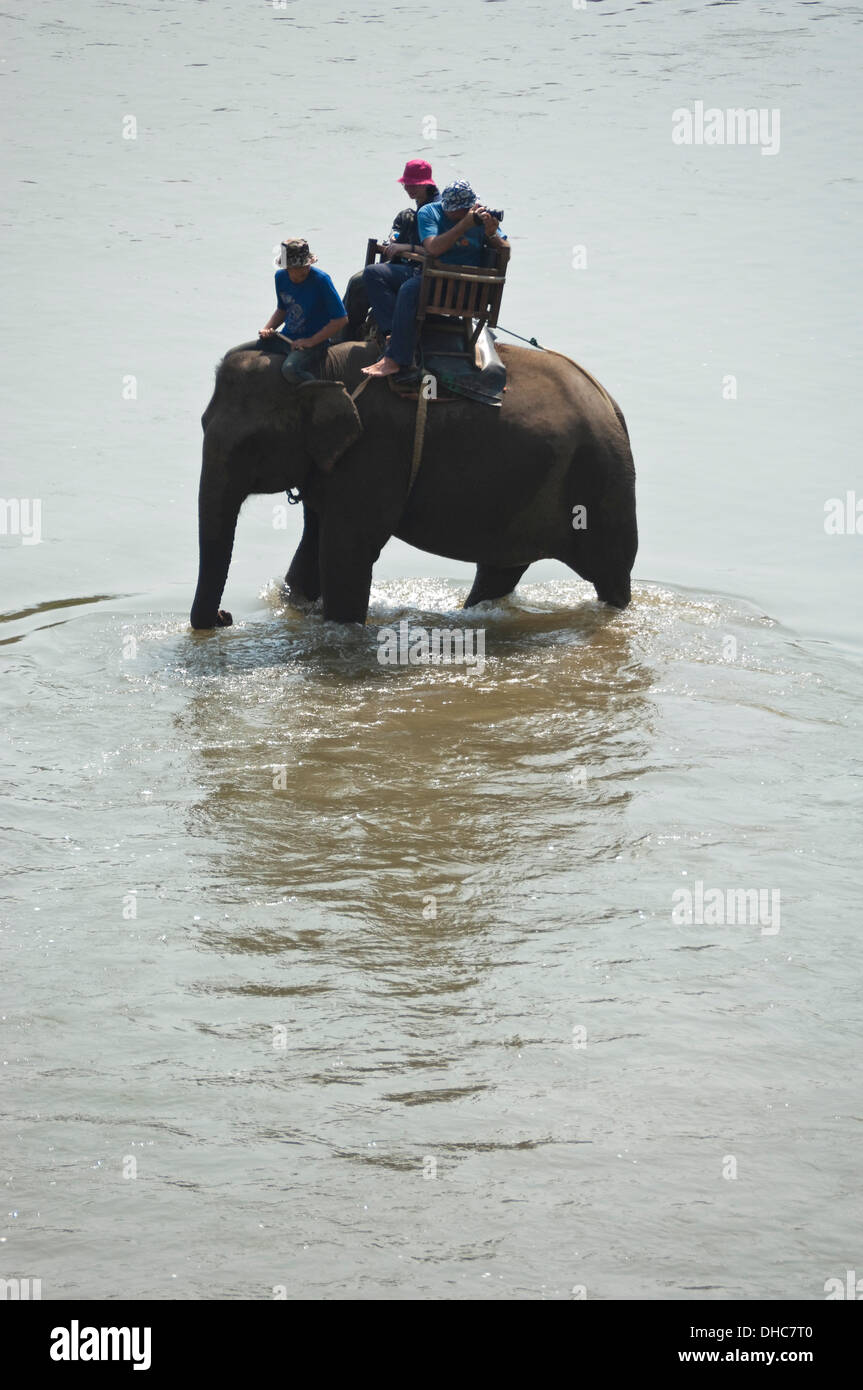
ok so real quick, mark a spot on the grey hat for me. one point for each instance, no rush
(295, 252)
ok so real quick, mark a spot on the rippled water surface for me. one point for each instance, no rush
(364, 980)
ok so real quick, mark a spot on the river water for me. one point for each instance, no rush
(326, 978)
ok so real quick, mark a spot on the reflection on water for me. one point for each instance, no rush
(374, 967)
(394, 784)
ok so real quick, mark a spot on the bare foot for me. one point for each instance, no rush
(385, 366)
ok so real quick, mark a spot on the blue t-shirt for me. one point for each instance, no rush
(309, 306)
(432, 220)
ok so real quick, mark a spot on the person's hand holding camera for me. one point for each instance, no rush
(483, 218)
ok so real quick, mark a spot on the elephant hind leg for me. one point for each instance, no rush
(491, 582)
(303, 577)
(615, 590)
(612, 585)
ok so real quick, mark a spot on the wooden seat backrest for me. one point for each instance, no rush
(457, 291)
(463, 291)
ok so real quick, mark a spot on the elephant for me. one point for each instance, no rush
(547, 475)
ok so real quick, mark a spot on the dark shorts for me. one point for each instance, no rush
(300, 364)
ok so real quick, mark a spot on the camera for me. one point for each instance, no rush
(492, 212)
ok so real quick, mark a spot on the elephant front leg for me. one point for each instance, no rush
(347, 561)
(303, 578)
(218, 507)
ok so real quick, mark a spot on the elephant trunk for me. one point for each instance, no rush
(218, 509)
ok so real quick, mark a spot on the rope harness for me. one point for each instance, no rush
(419, 429)
(553, 353)
(419, 438)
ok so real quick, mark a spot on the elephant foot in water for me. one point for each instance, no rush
(303, 584)
(298, 595)
(201, 623)
(492, 582)
(616, 592)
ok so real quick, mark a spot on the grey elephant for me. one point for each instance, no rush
(548, 475)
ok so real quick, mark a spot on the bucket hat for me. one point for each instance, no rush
(417, 173)
(458, 195)
(295, 252)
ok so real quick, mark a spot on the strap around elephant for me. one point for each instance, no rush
(419, 438)
(419, 429)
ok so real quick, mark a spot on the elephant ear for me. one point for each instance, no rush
(332, 423)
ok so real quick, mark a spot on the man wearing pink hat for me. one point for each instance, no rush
(456, 230)
(418, 183)
(417, 174)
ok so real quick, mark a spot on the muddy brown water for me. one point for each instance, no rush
(366, 980)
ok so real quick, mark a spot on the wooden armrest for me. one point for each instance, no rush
(376, 248)
(477, 275)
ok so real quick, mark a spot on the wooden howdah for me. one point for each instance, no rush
(466, 292)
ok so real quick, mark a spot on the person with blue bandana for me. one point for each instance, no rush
(310, 309)
(449, 231)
